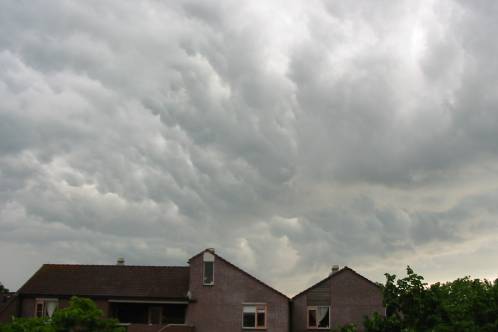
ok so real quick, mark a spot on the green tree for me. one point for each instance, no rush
(28, 325)
(83, 315)
(463, 305)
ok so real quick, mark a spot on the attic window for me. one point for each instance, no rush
(319, 317)
(254, 316)
(45, 307)
(208, 269)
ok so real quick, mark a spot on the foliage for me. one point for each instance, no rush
(465, 304)
(82, 315)
(3, 290)
(347, 328)
(28, 325)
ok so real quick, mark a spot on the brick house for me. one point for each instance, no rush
(344, 297)
(209, 295)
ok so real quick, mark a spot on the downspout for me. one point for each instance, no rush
(19, 305)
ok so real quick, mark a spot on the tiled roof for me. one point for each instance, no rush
(109, 281)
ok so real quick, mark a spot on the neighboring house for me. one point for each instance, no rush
(136, 295)
(209, 295)
(344, 297)
(5, 300)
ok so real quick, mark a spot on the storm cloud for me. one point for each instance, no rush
(289, 135)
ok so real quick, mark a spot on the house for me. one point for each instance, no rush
(208, 295)
(344, 297)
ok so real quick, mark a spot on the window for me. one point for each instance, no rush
(319, 317)
(45, 307)
(155, 315)
(208, 269)
(254, 316)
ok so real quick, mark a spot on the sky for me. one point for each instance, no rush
(289, 135)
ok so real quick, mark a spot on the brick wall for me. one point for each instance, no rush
(219, 307)
(159, 328)
(353, 297)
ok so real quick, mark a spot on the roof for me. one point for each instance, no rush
(240, 270)
(109, 281)
(334, 275)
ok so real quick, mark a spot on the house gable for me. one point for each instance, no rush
(349, 295)
(219, 307)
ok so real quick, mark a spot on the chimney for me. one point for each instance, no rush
(120, 261)
(335, 268)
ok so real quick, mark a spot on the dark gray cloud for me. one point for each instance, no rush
(291, 136)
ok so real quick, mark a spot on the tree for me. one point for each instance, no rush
(82, 315)
(461, 305)
(3, 290)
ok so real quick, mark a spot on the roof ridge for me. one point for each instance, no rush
(114, 265)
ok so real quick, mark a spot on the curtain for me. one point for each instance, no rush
(322, 313)
(51, 306)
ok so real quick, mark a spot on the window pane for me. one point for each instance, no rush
(39, 310)
(249, 319)
(249, 308)
(208, 273)
(261, 319)
(155, 315)
(323, 317)
(312, 317)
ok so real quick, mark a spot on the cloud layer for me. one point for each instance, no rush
(290, 135)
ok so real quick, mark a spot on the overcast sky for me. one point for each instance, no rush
(289, 135)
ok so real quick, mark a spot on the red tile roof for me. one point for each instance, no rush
(109, 281)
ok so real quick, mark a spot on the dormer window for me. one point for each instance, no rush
(208, 269)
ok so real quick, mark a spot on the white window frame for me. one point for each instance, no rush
(207, 258)
(43, 302)
(315, 307)
(256, 327)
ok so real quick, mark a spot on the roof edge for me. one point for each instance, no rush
(19, 291)
(241, 270)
